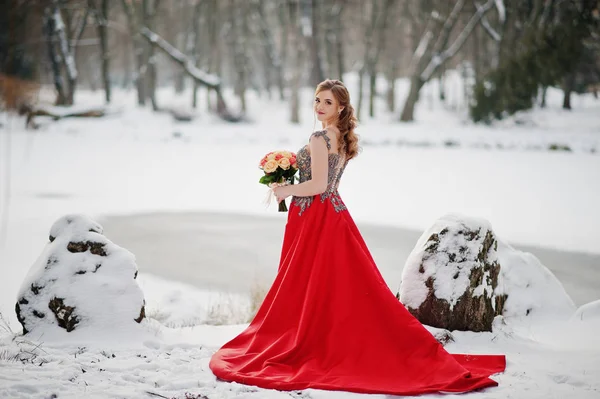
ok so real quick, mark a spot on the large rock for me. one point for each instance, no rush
(450, 277)
(80, 280)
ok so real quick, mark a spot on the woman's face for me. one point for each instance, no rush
(326, 106)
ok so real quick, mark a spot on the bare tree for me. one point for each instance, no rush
(374, 52)
(237, 37)
(134, 24)
(283, 16)
(296, 56)
(210, 81)
(273, 67)
(334, 40)
(60, 54)
(430, 56)
(310, 27)
(197, 42)
(149, 8)
(102, 15)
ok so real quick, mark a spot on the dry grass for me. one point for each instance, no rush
(5, 325)
(258, 292)
(16, 93)
(222, 310)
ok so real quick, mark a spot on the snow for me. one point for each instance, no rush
(101, 288)
(136, 161)
(588, 312)
(534, 293)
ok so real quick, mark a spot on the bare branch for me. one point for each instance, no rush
(79, 28)
(488, 28)
(448, 25)
(444, 56)
(501, 10)
(210, 81)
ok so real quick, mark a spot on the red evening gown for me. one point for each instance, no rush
(330, 321)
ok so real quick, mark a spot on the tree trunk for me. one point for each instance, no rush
(544, 90)
(295, 60)
(196, 50)
(140, 73)
(408, 113)
(238, 34)
(391, 91)
(379, 27)
(182, 41)
(50, 33)
(316, 75)
(569, 82)
(272, 58)
(339, 42)
(102, 21)
(361, 76)
(149, 15)
(441, 84)
(67, 58)
(138, 50)
(372, 92)
(285, 28)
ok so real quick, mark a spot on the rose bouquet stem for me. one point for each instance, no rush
(283, 207)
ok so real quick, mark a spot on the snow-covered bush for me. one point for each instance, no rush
(80, 280)
(532, 291)
(450, 276)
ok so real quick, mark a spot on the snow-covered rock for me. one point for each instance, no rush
(80, 280)
(532, 291)
(450, 276)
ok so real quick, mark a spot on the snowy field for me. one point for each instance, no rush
(408, 175)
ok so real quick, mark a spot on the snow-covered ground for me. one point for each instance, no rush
(408, 175)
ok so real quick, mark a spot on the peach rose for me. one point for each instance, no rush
(270, 166)
(270, 156)
(284, 163)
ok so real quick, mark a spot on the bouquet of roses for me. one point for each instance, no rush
(280, 168)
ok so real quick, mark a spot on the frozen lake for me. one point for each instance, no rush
(230, 252)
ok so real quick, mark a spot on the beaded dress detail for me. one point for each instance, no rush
(337, 164)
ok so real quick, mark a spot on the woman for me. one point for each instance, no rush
(330, 321)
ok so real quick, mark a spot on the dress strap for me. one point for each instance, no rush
(322, 133)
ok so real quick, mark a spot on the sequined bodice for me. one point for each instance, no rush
(336, 168)
(337, 164)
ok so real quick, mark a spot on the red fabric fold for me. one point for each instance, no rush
(330, 322)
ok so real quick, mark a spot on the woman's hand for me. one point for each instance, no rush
(282, 192)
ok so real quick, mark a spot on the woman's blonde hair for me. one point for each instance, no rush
(347, 121)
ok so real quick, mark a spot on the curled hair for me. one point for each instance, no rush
(347, 121)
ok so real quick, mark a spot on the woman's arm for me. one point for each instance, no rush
(319, 167)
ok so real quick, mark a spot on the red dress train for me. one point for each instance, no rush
(330, 321)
